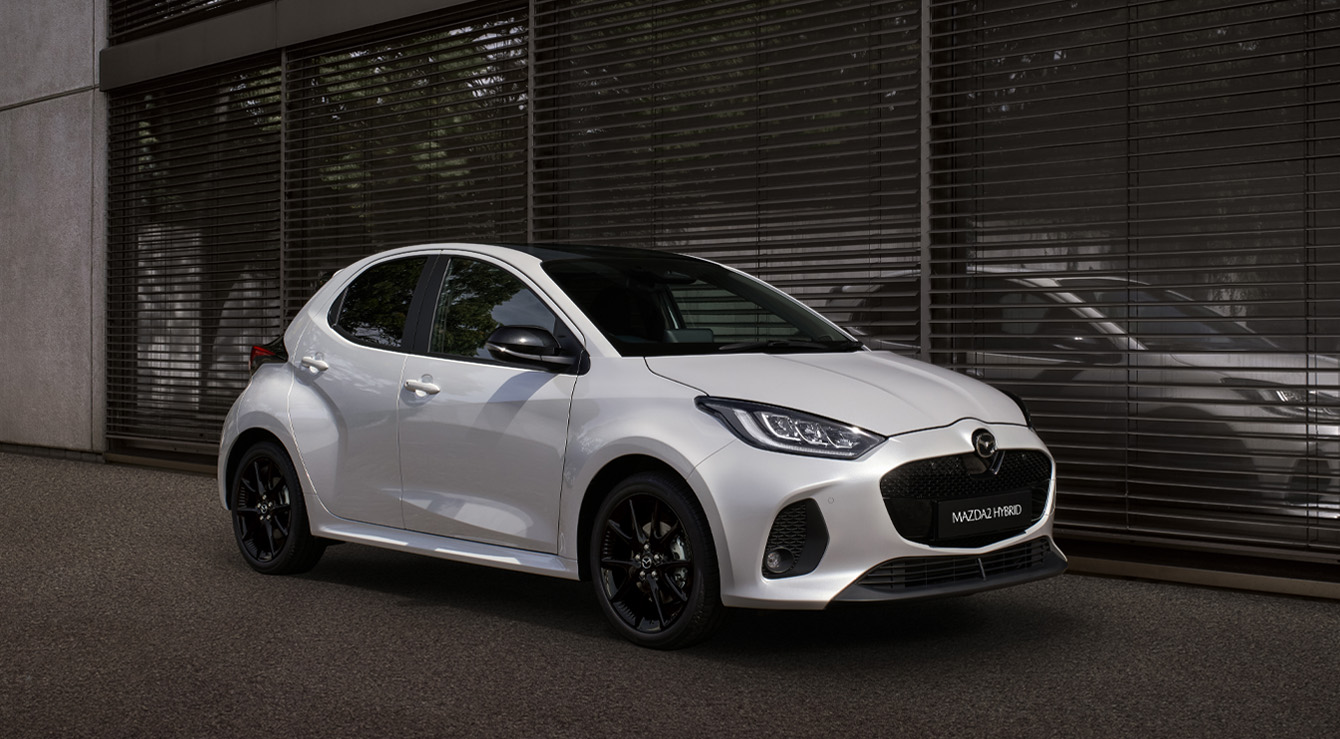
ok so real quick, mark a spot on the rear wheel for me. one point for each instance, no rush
(269, 516)
(653, 563)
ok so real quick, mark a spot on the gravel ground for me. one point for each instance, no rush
(125, 611)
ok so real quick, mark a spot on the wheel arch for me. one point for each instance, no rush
(604, 481)
(245, 441)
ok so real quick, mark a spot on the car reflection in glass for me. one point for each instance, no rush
(1217, 429)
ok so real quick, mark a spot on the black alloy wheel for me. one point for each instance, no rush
(654, 565)
(269, 517)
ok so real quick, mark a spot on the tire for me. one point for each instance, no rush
(653, 563)
(269, 515)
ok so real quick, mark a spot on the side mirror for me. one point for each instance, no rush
(527, 345)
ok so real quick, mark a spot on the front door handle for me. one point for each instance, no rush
(421, 386)
(316, 363)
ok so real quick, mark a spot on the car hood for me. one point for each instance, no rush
(1319, 364)
(1316, 371)
(877, 391)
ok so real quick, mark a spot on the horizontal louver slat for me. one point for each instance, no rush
(132, 19)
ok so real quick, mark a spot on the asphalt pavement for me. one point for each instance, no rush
(125, 611)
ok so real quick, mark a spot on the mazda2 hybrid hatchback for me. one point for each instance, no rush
(680, 434)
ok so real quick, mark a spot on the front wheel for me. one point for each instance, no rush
(269, 516)
(653, 563)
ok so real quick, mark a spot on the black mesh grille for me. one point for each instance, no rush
(788, 531)
(898, 575)
(800, 530)
(912, 491)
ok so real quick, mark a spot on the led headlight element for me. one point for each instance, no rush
(786, 430)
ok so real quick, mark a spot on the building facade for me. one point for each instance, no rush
(52, 225)
(1125, 211)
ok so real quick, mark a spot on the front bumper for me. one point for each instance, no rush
(917, 578)
(743, 489)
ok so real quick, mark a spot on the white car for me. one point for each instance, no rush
(686, 437)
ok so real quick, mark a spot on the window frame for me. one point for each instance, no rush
(412, 312)
(430, 290)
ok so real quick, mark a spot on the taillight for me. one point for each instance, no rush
(265, 353)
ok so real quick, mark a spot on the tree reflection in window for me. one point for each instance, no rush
(376, 304)
(476, 299)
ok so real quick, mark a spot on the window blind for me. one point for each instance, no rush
(1133, 222)
(193, 251)
(132, 19)
(776, 136)
(406, 134)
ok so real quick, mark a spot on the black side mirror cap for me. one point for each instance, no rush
(527, 345)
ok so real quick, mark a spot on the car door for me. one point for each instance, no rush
(482, 441)
(344, 406)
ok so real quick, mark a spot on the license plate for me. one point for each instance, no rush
(986, 515)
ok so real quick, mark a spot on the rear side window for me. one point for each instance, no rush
(373, 309)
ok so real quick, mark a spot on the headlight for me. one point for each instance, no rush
(785, 430)
(1292, 396)
(1298, 402)
(1285, 400)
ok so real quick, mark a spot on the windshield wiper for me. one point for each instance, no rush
(790, 345)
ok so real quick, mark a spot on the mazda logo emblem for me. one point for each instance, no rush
(984, 443)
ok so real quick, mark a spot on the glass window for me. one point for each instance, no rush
(1164, 320)
(1015, 321)
(375, 305)
(649, 306)
(476, 299)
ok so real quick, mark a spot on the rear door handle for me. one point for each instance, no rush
(418, 386)
(316, 363)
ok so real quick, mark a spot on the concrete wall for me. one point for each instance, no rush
(52, 225)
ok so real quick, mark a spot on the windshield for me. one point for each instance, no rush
(1168, 321)
(651, 306)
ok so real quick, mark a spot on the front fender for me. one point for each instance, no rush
(640, 414)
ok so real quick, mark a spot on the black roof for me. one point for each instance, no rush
(553, 252)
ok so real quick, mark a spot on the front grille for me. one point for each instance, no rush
(909, 573)
(912, 492)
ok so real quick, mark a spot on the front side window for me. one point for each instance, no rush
(476, 299)
(373, 309)
(1032, 323)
